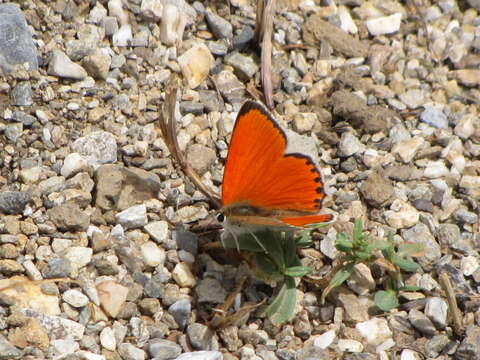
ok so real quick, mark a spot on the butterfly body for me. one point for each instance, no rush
(262, 186)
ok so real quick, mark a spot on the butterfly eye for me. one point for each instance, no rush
(220, 218)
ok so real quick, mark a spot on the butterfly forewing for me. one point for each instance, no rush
(260, 174)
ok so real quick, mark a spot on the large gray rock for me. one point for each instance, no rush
(16, 45)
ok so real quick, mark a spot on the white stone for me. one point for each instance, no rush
(201, 355)
(407, 149)
(468, 265)
(465, 127)
(435, 169)
(375, 331)
(408, 354)
(152, 254)
(195, 64)
(152, 9)
(75, 298)
(173, 25)
(349, 145)
(158, 230)
(123, 37)
(107, 339)
(349, 345)
(437, 310)
(87, 355)
(63, 347)
(133, 217)
(73, 164)
(384, 25)
(183, 276)
(115, 8)
(401, 215)
(325, 340)
(60, 65)
(78, 256)
(346, 22)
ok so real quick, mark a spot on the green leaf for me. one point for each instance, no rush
(410, 248)
(410, 288)
(305, 239)
(342, 275)
(317, 225)
(245, 242)
(405, 265)
(272, 241)
(343, 243)
(265, 264)
(363, 254)
(290, 250)
(386, 300)
(357, 231)
(381, 245)
(282, 307)
(297, 271)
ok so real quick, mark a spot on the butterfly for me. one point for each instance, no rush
(263, 187)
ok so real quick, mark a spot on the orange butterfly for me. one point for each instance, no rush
(262, 186)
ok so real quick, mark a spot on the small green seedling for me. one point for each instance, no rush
(276, 259)
(360, 249)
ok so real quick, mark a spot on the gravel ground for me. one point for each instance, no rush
(96, 260)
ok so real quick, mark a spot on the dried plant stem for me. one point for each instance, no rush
(263, 34)
(168, 119)
(452, 303)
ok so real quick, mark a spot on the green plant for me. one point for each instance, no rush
(276, 259)
(359, 248)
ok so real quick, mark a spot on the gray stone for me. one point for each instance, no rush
(230, 87)
(130, 352)
(421, 234)
(22, 94)
(163, 349)
(220, 27)
(13, 202)
(210, 290)
(434, 117)
(186, 240)
(242, 40)
(16, 45)
(421, 322)
(200, 157)
(181, 310)
(469, 348)
(13, 132)
(24, 118)
(57, 268)
(69, 217)
(99, 147)
(245, 67)
(377, 190)
(200, 336)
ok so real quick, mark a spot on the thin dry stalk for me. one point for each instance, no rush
(266, 57)
(168, 120)
(452, 303)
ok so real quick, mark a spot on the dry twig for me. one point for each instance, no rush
(168, 119)
(263, 34)
(452, 303)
